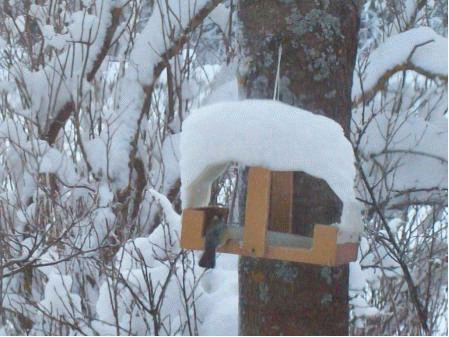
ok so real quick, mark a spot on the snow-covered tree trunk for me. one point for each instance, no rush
(310, 47)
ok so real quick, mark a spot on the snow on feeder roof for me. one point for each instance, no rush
(271, 135)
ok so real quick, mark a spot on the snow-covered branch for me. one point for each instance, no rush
(149, 57)
(420, 50)
(91, 40)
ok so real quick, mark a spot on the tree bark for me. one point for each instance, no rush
(317, 43)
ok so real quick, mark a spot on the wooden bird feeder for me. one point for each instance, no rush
(267, 229)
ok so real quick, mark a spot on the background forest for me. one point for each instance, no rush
(93, 94)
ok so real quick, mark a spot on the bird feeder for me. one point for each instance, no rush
(267, 229)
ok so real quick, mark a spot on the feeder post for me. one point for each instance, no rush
(319, 45)
(257, 210)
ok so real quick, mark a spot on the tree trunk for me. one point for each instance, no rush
(317, 43)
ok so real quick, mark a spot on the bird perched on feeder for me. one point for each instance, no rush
(216, 235)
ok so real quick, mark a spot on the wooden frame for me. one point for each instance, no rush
(267, 223)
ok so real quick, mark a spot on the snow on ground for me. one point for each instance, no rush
(270, 134)
(142, 259)
(218, 303)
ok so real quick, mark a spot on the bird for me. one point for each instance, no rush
(216, 235)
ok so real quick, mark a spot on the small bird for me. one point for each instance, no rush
(216, 235)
